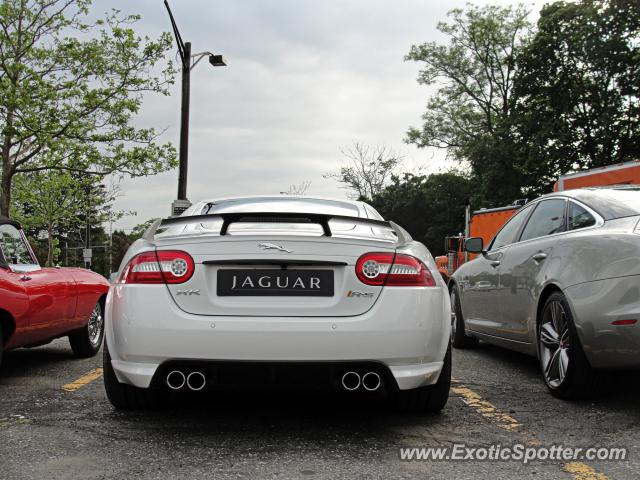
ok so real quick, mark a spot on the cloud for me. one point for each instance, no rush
(304, 79)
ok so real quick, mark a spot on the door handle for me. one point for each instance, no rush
(495, 263)
(538, 257)
(25, 278)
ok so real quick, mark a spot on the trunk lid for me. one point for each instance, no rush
(276, 262)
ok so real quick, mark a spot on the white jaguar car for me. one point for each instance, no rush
(281, 291)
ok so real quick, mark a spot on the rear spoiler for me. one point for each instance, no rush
(275, 217)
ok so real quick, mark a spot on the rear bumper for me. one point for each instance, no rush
(595, 306)
(406, 331)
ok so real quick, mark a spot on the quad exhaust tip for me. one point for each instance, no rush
(176, 380)
(196, 381)
(371, 381)
(351, 381)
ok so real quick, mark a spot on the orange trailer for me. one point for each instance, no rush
(486, 222)
(627, 173)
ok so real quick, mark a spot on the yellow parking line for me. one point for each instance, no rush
(13, 420)
(83, 380)
(580, 471)
(487, 409)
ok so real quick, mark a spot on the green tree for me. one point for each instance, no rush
(53, 206)
(69, 88)
(470, 113)
(577, 88)
(139, 230)
(428, 207)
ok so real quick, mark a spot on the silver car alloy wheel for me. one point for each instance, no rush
(554, 344)
(95, 325)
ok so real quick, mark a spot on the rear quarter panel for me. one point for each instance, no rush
(88, 287)
(421, 252)
(597, 253)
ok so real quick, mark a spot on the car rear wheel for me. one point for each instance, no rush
(565, 368)
(459, 337)
(128, 397)
(431, 398)
(86, 342)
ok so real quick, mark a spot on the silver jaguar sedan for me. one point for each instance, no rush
(561, 281)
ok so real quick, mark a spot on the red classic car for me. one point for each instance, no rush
(39, 304)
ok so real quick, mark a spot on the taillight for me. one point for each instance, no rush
(164, 266)
(391, 270)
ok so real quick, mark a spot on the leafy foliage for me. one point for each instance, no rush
(471, 111)
(69, 89)
(52, 207)
(523, 105)
(578, 89)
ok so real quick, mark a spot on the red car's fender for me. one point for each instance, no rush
(88, 287)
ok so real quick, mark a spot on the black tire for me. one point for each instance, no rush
(459, 337)
(128, 397)
(570, 376)
(86, 342)
(431, 398)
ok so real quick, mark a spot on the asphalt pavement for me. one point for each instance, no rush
(56, 423)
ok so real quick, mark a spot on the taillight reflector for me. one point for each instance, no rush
(394, 270)
(629, 321)
(164, 266)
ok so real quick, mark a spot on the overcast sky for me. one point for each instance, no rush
(305, 79)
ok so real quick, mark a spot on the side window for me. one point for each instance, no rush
(579, 217)
(14, 248)
(547, 218)
(508, 234)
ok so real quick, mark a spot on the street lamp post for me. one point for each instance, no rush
(188, 61)
(184, 124)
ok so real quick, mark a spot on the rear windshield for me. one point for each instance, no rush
(628, 197)
(284, 204)
(613, 202)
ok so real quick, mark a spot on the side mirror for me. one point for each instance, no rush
(474, 245)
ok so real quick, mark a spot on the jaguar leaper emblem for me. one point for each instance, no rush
(274, 246)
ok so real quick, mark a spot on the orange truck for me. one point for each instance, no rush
(485, 223)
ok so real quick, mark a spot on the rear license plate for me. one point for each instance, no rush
(275, 283)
